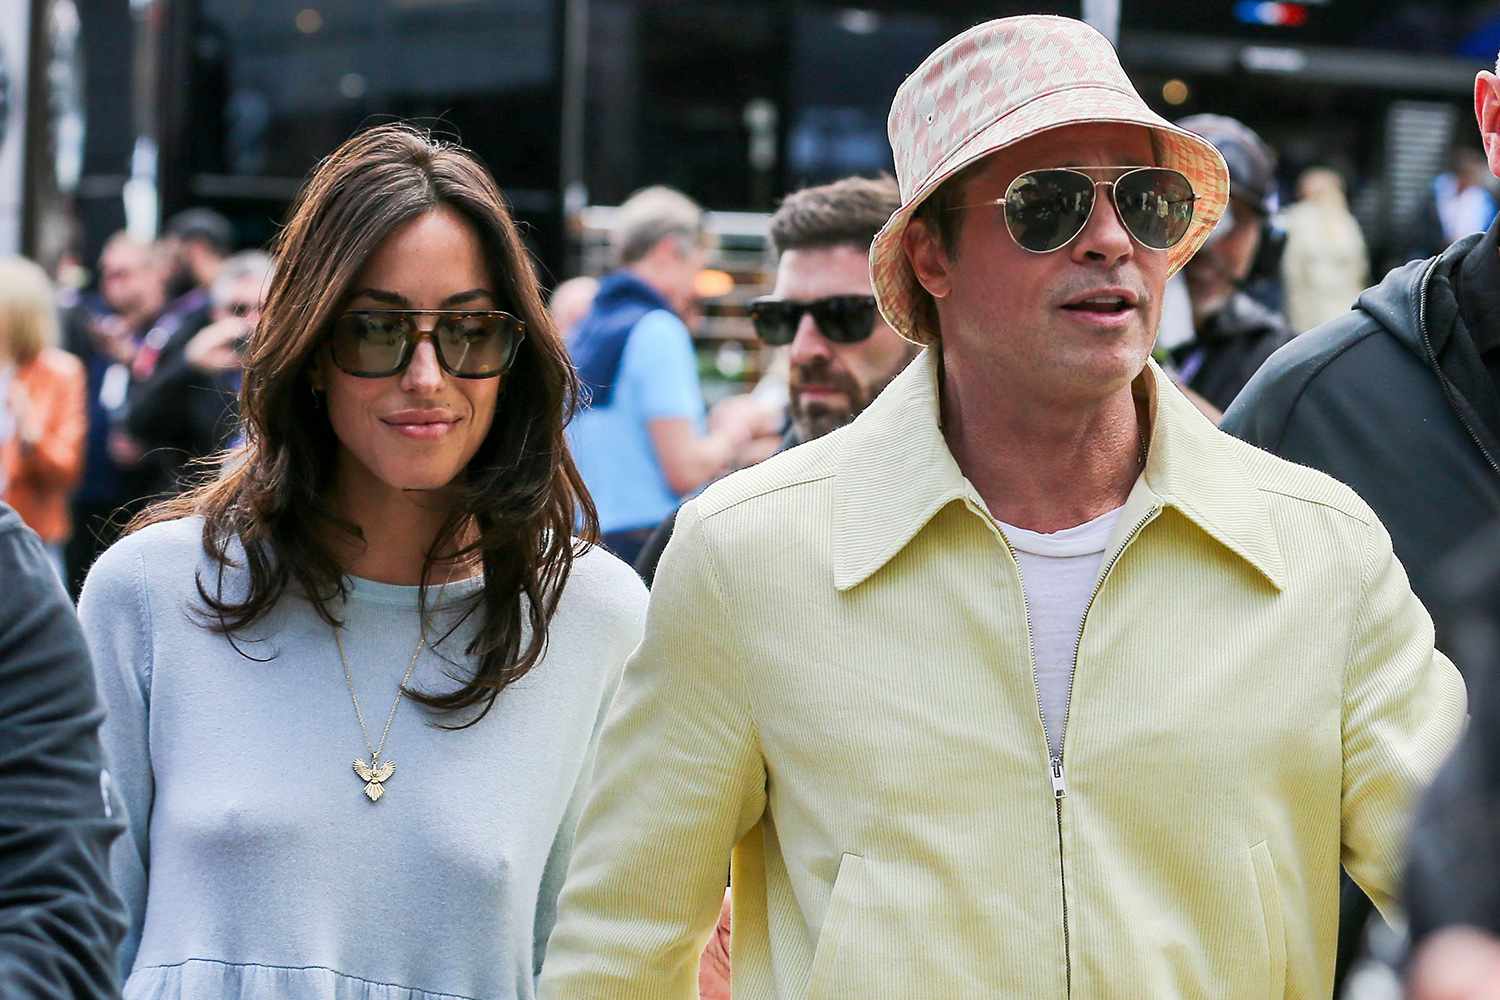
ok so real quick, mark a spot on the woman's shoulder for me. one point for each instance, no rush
(163, 551)
(604, 595)
(54, 364)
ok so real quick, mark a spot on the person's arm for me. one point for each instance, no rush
(1403, 710)
(116, 619)
(60, 921)
(55, 434)
(680, 780)
(561, 852)
(688, 460)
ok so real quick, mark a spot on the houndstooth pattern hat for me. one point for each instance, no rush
(989, 88)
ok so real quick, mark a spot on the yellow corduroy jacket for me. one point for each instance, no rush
(836, 684)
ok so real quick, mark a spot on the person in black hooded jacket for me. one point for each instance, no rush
(1400, 399)
(61, 922)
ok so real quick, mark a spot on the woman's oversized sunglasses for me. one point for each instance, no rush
(841, 319)
(1046, 209)
(470, 343)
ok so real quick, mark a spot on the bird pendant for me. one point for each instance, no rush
(375, 775)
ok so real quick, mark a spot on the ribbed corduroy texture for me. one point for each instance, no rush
(835, 683)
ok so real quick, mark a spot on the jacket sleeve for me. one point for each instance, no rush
(680, 780)
(1403, 710)
(116, 619)
(60, 921)
(1262, 411)
(57, 459)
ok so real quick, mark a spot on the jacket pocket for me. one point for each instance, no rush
(1270, 908)
(848, 885)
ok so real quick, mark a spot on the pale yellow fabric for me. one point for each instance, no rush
(835, 683)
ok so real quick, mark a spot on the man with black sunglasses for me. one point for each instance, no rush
(1029, 682)
(842, 352)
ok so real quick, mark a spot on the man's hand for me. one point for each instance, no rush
(112, 337)
(125, 450)
(1458, 963)
(216, 348)
(744, 417)
(713, 965)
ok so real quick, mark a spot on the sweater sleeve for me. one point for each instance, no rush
(60, 922)
(1404, 706)
(116, 616)
(622, 642)
(680, 780)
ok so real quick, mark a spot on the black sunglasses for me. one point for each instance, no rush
(1046, 209)
(843, 319)
(470, 343)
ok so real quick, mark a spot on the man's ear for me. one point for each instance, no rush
(928, 258)
(1487, 111)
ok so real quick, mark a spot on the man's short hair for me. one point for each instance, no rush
(246, 264)
(202, 225)
(847, 212)
(650, 216)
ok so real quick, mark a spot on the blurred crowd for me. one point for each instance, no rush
(112, 395)
(123, 390)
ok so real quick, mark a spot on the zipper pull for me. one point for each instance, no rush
(1059, 782)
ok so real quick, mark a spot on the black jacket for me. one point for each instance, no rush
(1455, 841)
(1394, 400)
(1230, 348)
(60, 921)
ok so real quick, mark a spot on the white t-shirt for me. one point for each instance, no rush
(1058, 572)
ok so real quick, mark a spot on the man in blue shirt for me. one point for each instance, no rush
(642, 440)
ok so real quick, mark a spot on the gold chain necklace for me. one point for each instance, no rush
(375, 774)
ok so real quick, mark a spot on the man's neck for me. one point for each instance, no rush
(1043, 465)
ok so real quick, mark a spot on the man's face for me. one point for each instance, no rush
(130, 281)
(1073, 325)
(242, 299)
(685, 257)
(1216, 270)
(830, 383)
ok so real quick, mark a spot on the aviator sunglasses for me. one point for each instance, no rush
(1046, 209)
(470, 343)
(842, 319)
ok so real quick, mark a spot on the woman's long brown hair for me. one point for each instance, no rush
(520, 500)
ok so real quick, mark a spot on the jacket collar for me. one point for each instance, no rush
(895, 473)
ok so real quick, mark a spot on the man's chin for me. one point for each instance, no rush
(813, 422)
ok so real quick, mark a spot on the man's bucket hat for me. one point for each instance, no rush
(989, 88)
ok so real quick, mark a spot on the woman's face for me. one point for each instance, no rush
(418, 429)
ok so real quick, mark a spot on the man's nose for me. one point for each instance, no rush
(1104, 239)
(809, 342)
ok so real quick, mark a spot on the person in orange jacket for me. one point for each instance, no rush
(43, 413)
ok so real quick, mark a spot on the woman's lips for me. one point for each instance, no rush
(421, 428)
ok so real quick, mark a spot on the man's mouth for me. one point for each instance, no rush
(1101, 304)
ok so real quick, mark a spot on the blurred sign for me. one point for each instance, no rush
(14, 23)
(1279, 15)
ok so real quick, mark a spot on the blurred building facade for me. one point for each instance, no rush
(139, 108)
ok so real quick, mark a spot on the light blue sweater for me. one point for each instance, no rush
(256, 868)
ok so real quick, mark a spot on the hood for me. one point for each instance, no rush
(1396, 303)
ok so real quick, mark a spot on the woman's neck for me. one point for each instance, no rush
(399, 529)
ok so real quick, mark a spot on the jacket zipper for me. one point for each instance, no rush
(1447, 387)
(1058, 774)
(1059, 789)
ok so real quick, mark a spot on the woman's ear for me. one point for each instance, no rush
(316, 376)
(928, 258)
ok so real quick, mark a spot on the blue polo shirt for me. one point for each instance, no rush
(657, 380)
